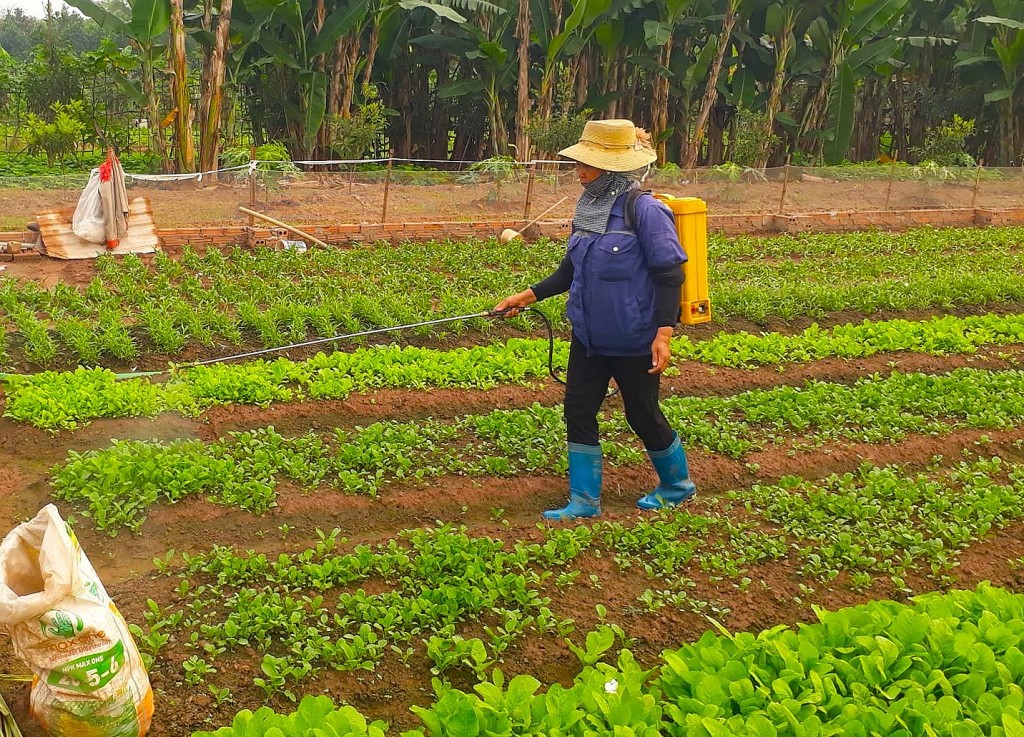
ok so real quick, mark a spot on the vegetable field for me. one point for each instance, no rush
(352, 539)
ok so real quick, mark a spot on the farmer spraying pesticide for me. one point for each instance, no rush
(622, 272)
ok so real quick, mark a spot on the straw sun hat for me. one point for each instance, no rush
(611, 145)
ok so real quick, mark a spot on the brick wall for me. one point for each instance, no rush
(764, 224)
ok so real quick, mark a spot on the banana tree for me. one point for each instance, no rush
(211, 94)
(185, 149)
(240, 64)
(998, 47)
(732, 12)
(560, 41)
(660, 34)
(145, 29)
(291, 48)
(853, 39)
(485, 47)
(783, 24)
(523, 80)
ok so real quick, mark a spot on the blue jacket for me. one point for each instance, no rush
(611, 298)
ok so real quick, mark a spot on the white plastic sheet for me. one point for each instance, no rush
(88, 222)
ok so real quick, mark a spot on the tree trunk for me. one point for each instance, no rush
(499, 134)
(185, 148)
(371, 53)
(868, 128)
(336, 78)
(819, 103)
(349, 82)
(659, 102)
(523, 83)
(153, 118)
(210, 105)
(545, 100)
(1007, 141)
(612, 86)
(716, 142)
(711, 89)
(402, 143)
(625, 108)
(775, 96)
(441, 122)
(230, 119)
(583, 80)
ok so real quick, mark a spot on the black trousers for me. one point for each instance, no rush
(586, 385)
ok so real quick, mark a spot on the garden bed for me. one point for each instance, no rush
(842, 418)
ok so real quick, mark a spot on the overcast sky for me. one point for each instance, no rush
(32, 7)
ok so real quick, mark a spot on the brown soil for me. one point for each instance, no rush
(503, 508)
(334, 198)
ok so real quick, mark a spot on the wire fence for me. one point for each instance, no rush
(342, 192)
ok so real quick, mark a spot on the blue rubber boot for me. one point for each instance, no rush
(584, 484)
(674, 474)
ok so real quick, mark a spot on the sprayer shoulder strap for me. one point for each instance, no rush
(629, 209)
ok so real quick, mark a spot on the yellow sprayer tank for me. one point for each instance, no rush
(692, 225)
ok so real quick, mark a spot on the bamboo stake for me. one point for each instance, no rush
(252, 185)
(534, 221)
(286, 226)
(387, 188)
(529, 193)
(888, 189)
(977, 181)
(785, 185)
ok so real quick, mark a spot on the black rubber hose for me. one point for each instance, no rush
(551, 350)
(551, 344)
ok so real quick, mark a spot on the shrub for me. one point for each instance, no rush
(747, 142)
(353, 137)
(275, 151)
(56, 139)
(947, 144)
(558, 133)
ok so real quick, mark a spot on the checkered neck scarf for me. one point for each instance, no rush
(595, 204)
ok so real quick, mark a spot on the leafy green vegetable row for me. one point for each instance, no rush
(283, 297)
(431, 583)
(65, 400)
(946, 664)
(120, 482)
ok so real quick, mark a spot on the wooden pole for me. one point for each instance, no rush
(888, 189)
(252, 185)
(387, 187)
(785, 185)
(977, 181)
(529, 193)
(286, 226)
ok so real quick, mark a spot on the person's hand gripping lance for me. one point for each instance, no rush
(512, 306)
